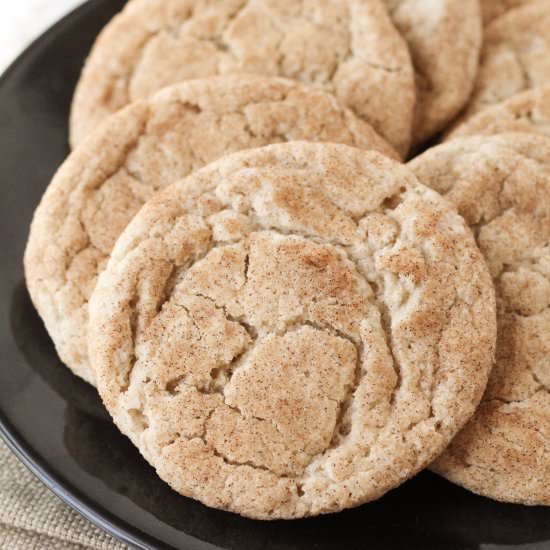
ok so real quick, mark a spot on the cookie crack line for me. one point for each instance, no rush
(345, 403)
(542, 385)
(351, 53)
(504, 401)
(477, 227)
(230, 367)
(455, 301)
(176, 33)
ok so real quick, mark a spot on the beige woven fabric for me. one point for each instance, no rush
(33, 518)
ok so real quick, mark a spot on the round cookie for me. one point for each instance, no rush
(146, 146)
(501, 185)
(293, 330)
(444, 39)
(525, 112)
(515, 56)
(348, 47)
(491, 9)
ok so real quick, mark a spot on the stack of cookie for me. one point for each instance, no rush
(284, 318)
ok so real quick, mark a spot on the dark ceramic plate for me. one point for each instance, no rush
(59, 429)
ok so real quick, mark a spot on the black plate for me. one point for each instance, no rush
(59, 429)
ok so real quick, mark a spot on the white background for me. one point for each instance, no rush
(21, 21)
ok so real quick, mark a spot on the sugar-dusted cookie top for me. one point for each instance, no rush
(293, 330)
(444, 39)
(348, 47)
(524, 112)
(515, 56)
(501, 185)
(150, 144)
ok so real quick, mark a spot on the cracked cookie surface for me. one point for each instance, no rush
(525, 112)
(151, 144)
(347, 47)
(501, 185)
(515, 56)
(293, 330)
(444, 39)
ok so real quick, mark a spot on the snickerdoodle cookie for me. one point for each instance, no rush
(148, 145)
(501, 185)
(293, 330)
(515, 56)
(525, 112)
(444, 38)
(348, 47)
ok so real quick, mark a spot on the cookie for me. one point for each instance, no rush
(445, 43)
(348, 47)
(148, 145)
(293, 330)
(501, 185)
(525, 112)
(491, 9)
(515, 56)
